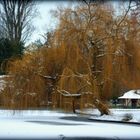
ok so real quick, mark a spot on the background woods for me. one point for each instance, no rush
(91, 57)
(15, 27)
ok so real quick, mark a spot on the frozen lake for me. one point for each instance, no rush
(42, 124)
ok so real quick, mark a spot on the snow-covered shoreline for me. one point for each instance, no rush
(133, 115)
(116, 114)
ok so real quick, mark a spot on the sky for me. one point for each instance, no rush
(44, 21)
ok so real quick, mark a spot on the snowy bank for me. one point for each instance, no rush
(133, 115)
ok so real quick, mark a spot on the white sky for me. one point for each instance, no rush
(44, 21)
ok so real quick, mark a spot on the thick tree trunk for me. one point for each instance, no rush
(101, 107)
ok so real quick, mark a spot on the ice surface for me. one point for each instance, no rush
(44, 124)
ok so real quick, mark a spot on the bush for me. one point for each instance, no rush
(127, 117)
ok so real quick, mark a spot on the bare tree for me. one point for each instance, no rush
(16, 16)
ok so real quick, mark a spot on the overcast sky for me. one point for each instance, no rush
(44, 20)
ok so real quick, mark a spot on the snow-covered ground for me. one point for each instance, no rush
(53, 124)
(133, 115)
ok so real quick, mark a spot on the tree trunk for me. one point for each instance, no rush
(101, 107)
(73, 105)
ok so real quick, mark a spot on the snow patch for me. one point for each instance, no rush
(132, 94)
(118, 115)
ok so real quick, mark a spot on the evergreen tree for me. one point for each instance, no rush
(9, 49)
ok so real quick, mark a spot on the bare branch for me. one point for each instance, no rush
(66, 93)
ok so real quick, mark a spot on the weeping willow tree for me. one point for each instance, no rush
(88, 51)
(131, 66)
(23, 87)
(33, 78)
